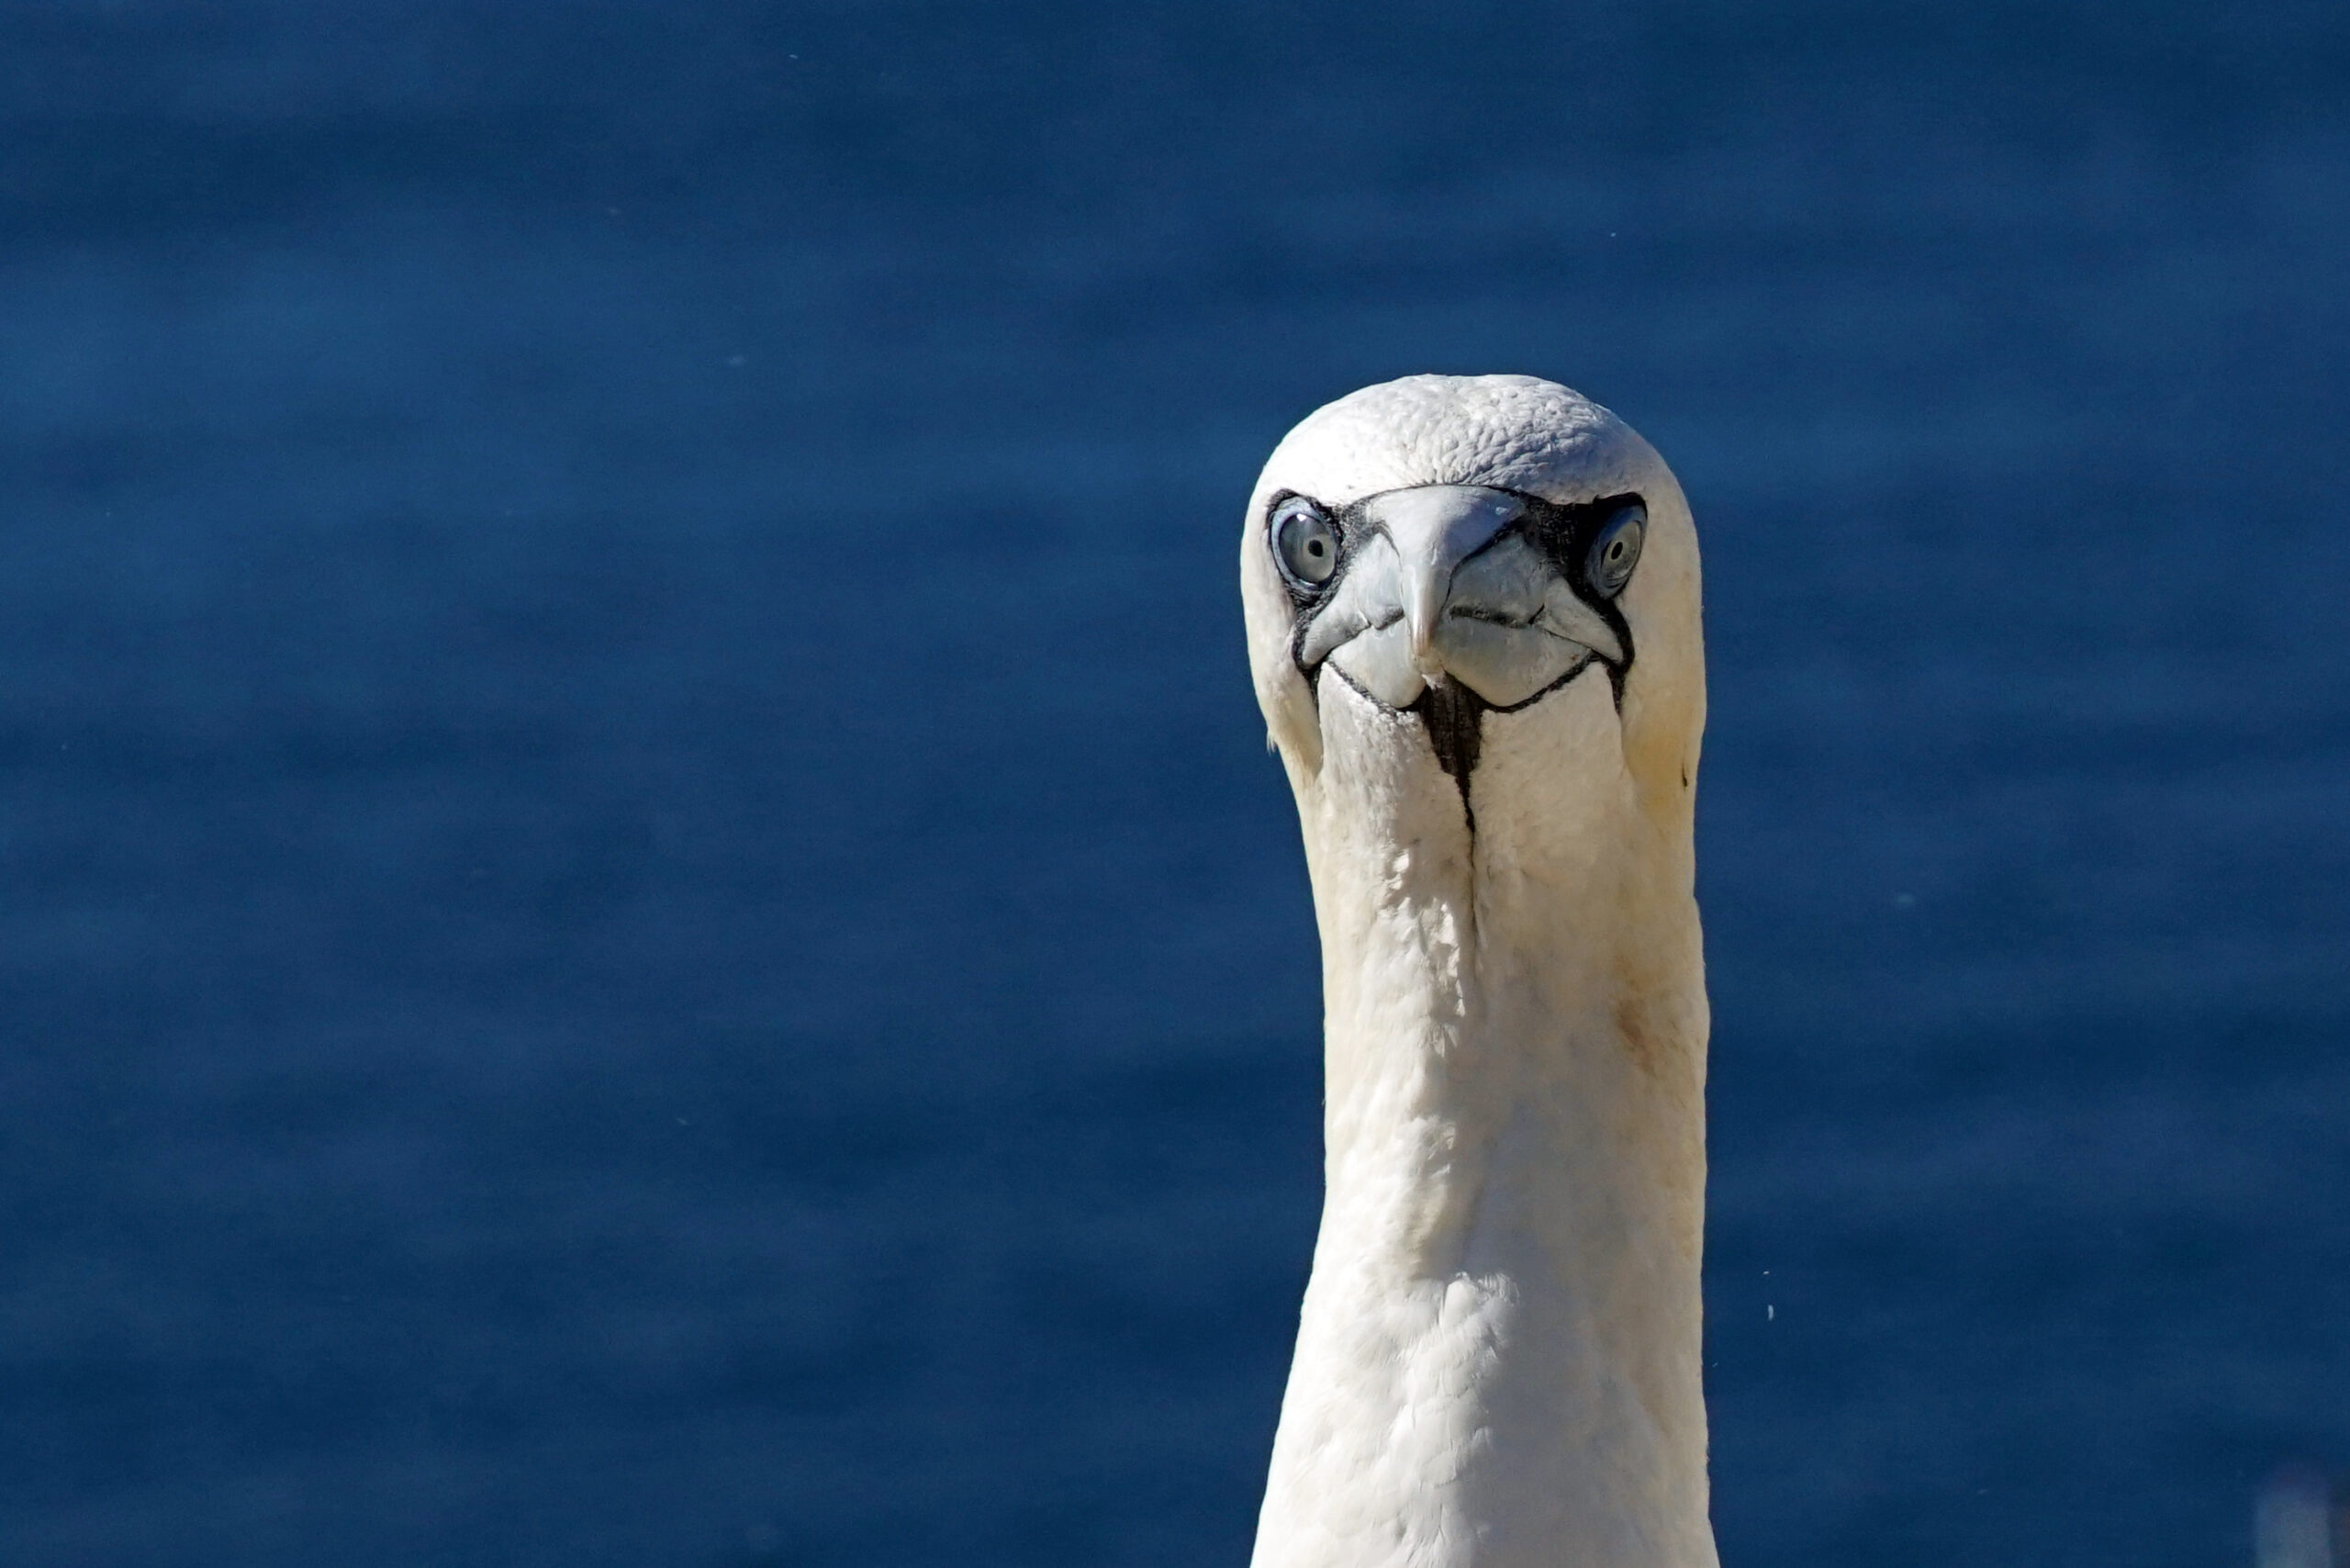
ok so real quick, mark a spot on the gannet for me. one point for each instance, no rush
(1473, 616)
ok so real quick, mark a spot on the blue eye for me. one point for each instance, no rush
(1615, 550)
(1305, 543)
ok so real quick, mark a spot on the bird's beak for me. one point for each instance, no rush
(1439, 587)
(1434, 528)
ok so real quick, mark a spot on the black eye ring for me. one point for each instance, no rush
(1615, 550)
(1305, 544)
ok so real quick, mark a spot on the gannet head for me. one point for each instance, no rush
(1453, 547)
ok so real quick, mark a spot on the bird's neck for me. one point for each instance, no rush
(1498, 1361)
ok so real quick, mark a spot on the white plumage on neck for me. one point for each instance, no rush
(1499, 1358)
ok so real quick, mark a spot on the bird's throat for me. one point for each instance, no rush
(1498, 1361)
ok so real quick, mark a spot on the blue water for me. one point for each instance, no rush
(645, 922)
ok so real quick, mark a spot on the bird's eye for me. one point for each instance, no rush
(1616, 551)
(1305, 543)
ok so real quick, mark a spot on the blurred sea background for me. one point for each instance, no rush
(643, 917)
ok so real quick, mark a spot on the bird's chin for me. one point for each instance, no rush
(1507, 668)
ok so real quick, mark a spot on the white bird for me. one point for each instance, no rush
(1472, 609)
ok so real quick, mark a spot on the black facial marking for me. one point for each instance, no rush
(1455, 719)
